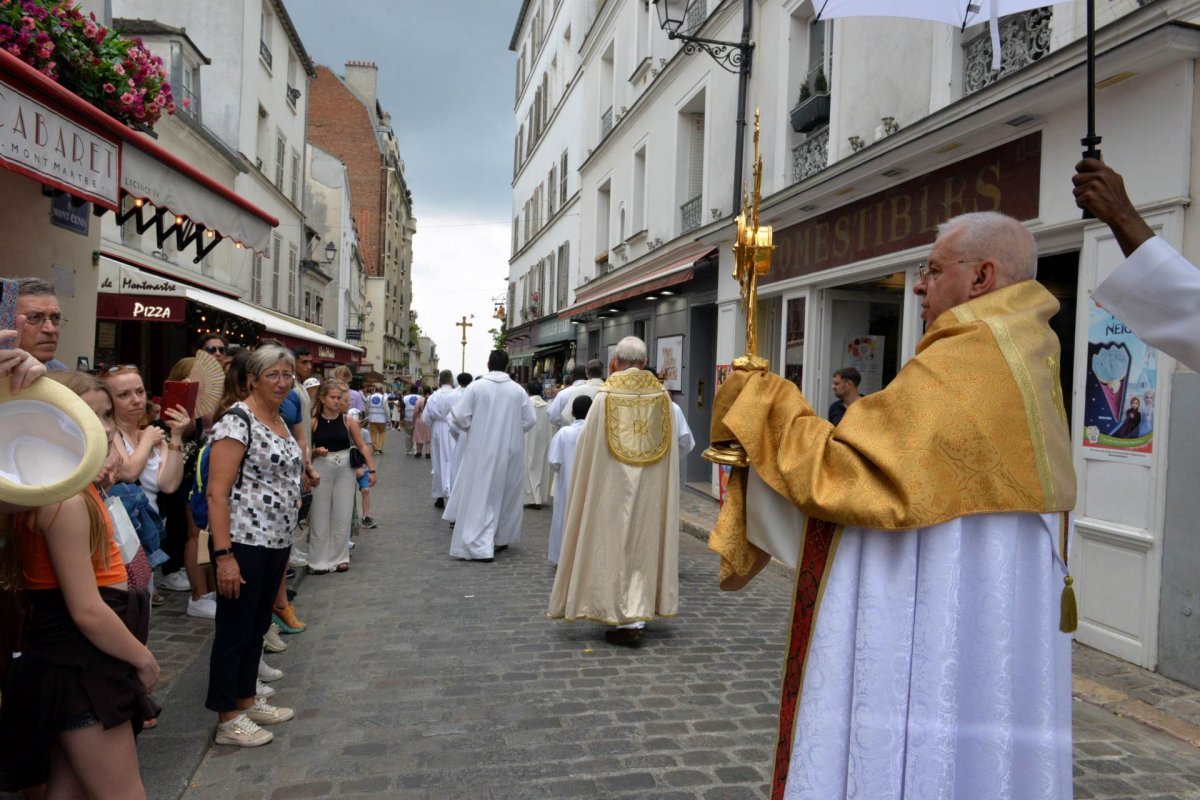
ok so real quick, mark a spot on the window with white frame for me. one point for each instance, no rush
(564, 277)
(296, 187)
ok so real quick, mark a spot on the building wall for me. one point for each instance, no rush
(36, 248)
(1179, 609)
(329, 205)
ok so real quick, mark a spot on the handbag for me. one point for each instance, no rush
(357, 459)
(203, 548)
(124, 533)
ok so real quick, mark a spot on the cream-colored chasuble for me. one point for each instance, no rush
(620, 552)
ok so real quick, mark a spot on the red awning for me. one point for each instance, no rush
(662, 278)
(70, 144)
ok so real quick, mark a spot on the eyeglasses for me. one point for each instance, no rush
(37, 319)
(924, 270)
(275, 376)
(213, 349)
(120, 367)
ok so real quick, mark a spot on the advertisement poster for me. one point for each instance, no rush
(1118, 405)
(670, 362)
(865, 354)
(723, 371)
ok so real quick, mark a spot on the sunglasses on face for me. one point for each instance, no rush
(213, 349)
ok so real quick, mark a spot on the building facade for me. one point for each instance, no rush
(347, 121)
(872, 132)
(339, 301)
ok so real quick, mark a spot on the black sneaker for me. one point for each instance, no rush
(439, 503)
(368, 522)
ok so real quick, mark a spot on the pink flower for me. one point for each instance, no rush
(28, 23)
(90, 28)
(109, 88)
(117, 68)
(127, 99)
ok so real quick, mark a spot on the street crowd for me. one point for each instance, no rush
(943, 497)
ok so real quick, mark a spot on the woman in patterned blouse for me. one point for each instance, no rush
(253, 504)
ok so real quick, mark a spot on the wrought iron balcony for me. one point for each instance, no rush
(192, 106)
(293, 94)
(264, 52)
(606, 123)
(1024, 38)
(810, 156)
(691, 214)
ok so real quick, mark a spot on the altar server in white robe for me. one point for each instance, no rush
(437, 417)
(538, 474)
(577, 377)
(1155, 291)
(561, 458)
(485, 500)
(928, 656)
(619, 563)
(560, 409)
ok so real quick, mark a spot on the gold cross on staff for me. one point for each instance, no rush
(464, 325)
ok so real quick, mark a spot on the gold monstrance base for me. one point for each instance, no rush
(732, 454)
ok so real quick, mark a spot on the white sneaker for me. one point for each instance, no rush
(273, 642)
(204, 608)
(243, 732)
(297, 558)
(264, 713)
(267, 673)
(353, 544)
(263, 691)
(176, 582)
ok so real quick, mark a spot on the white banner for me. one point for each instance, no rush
(47, 146)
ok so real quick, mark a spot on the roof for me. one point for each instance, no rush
(512, 44)
(310, 69)
(152, 27)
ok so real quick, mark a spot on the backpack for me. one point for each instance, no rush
(197, 497)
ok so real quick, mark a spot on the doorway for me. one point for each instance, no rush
(862, 330)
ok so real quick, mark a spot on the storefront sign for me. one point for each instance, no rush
(1006, 179)
(326, 352)
(68, 212)
(46, 146)
(118, 278)
(1118, 403)
(142, 308)
(555, 330)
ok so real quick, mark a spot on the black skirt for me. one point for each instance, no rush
(61, 678)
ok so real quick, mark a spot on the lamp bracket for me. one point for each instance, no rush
(729, 55)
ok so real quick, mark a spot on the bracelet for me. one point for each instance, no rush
(224, 551)
(173, 446)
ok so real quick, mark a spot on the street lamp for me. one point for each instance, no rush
(731, 56)
(330, 252)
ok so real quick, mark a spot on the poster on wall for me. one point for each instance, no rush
(669, 362)
(865, 354)
(723, 371)
(1118, 403)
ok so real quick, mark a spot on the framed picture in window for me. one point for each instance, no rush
(669, 362)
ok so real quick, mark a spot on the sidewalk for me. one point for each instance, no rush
(1099, 679)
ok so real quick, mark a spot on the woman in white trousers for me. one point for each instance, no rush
(335, 436)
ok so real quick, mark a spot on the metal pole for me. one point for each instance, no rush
(1091, 141)
(743, 87)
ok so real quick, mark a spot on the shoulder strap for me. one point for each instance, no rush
(244, 417)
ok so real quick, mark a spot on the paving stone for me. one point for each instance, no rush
(424, 678)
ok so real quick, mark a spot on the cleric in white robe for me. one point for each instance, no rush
(619, 563)
(1155, 291)
(485, 500)
(538, 474)
(593, 379)
(561, 459)
(437, 417)
(928, 653)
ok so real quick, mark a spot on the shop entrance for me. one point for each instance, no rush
(862, 328)
(1059, 273)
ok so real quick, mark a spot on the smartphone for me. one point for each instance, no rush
(8, 309)
(180, 394)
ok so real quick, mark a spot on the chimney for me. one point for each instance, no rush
(362, 77)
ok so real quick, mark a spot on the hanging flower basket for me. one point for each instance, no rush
(117, 75)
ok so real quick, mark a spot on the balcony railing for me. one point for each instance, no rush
(1024, 38)
(606, 123)
(293, 94)
(810, 156)
(691, 214)
(264, 52)
(192, 106)
(696, 14)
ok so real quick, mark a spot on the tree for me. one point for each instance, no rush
(499, 336)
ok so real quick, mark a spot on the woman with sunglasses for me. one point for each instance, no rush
(253, 504)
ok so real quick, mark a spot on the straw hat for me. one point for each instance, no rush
(51, 444)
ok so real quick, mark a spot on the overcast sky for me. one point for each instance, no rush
(446, 75)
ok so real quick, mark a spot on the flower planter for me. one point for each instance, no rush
(811, 113)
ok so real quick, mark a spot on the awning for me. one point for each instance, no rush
(670, 275)
(54, 136)
(159, 291)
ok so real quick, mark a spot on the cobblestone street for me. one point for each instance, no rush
(424, 677)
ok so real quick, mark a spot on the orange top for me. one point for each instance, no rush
(35, 558)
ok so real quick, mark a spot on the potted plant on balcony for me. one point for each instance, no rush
(812, 108)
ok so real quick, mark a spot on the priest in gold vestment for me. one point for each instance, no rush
(928, 533)
(619, 563)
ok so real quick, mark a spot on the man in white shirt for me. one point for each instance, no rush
(595, 380)
(485, 505)
(377, 417)
(1155, 291)
(561, 400)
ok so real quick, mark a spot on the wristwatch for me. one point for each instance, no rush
(224, 551)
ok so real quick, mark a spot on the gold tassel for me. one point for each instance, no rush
(1068, 619)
